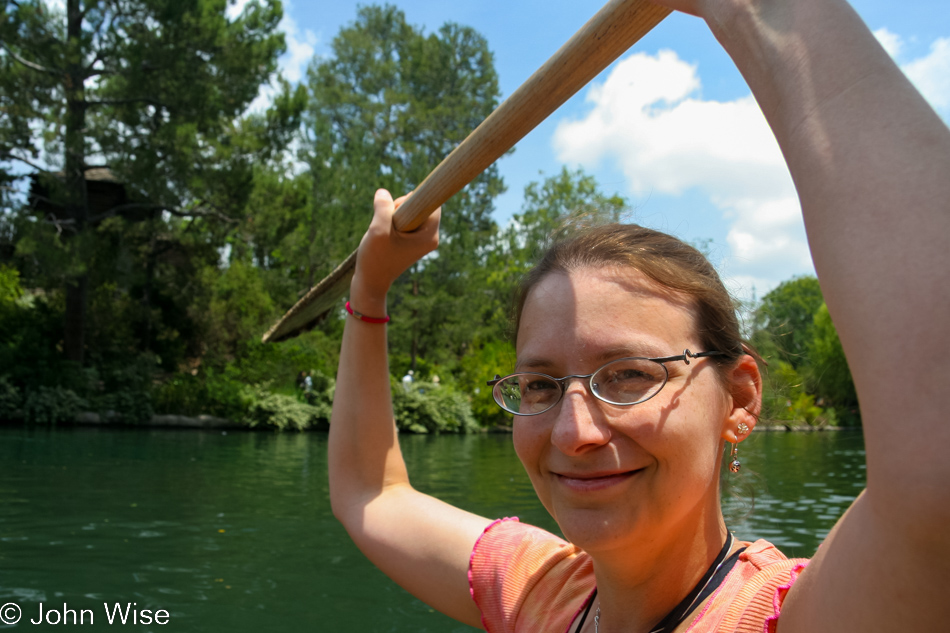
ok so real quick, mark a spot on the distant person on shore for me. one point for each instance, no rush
(305, 385)
(633, 388)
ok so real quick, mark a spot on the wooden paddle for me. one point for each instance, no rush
(615, 28)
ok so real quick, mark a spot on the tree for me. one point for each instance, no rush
(559, 205)
(384, 110)
(150, 93)
(829, 369)
(552, 209)
(785, 318)
(810, 377)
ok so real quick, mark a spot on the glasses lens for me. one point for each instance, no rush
(526, 394)
(629, 380)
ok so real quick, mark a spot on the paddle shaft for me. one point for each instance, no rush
(613, 30)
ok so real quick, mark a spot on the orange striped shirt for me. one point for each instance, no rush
(525, 579)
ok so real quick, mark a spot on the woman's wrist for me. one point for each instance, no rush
(367, 300)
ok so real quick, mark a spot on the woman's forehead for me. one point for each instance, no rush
(603, 312)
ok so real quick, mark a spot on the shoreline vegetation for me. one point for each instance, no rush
(210, 422)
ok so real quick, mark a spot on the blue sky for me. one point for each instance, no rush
(671, 125)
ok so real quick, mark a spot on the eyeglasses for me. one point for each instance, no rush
(623, 382)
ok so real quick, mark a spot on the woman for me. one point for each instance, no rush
(633, 486)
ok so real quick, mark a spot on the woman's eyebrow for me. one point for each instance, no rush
(640, 350)
(533, 363)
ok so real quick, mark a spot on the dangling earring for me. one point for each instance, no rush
(735, 465)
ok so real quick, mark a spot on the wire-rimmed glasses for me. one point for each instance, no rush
(622, 382)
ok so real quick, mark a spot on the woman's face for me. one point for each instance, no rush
(608, 473)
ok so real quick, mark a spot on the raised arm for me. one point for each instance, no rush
(871, 162)
(418, 541)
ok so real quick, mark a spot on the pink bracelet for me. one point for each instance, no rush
(363, 317)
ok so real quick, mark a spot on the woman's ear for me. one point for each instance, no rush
(745, 390)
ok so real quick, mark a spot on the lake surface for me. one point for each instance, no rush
(233, 531)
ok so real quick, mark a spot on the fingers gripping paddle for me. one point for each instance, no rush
(615, 28)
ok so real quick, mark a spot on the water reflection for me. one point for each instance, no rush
(234, 531)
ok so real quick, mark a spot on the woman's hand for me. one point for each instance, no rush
(386, 253)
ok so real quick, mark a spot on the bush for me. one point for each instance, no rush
(285, 412)
(10, 399)
(429, 408)
(121, 389)
(181, 394)
(220, 393)
(134, 407)
(51, 405)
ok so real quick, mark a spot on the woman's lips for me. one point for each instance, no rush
(584, 482)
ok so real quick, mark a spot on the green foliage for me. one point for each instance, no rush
(387, 106)
(482, 362)
(786, 400)
(552, 209)
(239, 309)
(10, 400)
(221, 393)
(809, 378)
(830, 373)
(299, 412)
(10, 290)
(786, 317)
(121, 390)
(560, 205)
(52, 405)
(144, 162)
(30, 344)
(131, 407)
(429, 408)
(284, 412)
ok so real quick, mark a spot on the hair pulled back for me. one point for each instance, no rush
(666, 260)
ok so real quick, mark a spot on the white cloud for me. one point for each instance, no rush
(235, 8)
(301, 46)
(649, 119)
(931, 75)
(891, 42)
(648, 116)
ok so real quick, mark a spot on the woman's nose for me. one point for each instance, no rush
(579, 425)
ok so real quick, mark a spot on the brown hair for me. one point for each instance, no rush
(668, 261)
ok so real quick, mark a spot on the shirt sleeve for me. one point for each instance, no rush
(525, 579)
(750, 599)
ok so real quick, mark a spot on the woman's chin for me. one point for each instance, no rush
(598, 529)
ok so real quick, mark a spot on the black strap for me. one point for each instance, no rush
(706, 585)
(586, 611)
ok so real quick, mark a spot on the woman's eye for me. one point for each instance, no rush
(539, 385)
(629, 375)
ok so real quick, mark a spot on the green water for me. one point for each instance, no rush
(233, 531)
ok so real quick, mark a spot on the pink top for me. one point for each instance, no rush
(526, 579)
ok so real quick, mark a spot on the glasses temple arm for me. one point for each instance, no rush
(685, 356)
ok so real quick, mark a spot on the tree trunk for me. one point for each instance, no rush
(76, 199)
